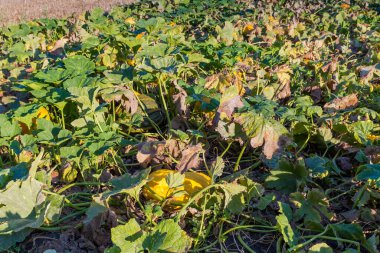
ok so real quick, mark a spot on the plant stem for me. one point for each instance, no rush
(246, 227)
(227, 148)
(236, 168)
(54, 228)
(202, 221)
(79, 184)
(164, 103)
(303, 145)
(244, 244)
(183, 209)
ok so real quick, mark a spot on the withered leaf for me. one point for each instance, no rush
(272, 139)
(59, 46)
(315, 93)
(230, 101)
(366, 72)
(337, 104)
(147, 151)
(190, 158)
(331, 66)
(180, 102)
(126, 97)
(283, 74)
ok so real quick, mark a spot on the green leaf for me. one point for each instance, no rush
(320, 248)
(232, 193)
(71, 152)
(128, 184)
(9, 240)
(167, 236)
(24, 207)
(79, 65)
(97, 207)
(174, 238)
(348, 231)
(195, 57)
(54, 208)
(369, 172)
(217, 167)
(311, 206)
(319, 166)
(265, 201)
(20, 198)
(227, 33)
(372, 244)
(287, 177)
(128, 237)
(175, 180)
(286, 230)
(9, 129)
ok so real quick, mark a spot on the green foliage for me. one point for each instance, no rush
(277, 102)
(167, 236)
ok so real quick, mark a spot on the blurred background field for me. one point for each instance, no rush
(14, 11)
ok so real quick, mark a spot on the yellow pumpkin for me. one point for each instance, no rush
(158, 189)
(247, 29)
(130, 21)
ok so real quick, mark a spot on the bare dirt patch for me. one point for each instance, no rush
(15, 11)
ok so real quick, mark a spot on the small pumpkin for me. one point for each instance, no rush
(157, 188)
(247, 29)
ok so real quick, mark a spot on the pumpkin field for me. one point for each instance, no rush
(192, 126)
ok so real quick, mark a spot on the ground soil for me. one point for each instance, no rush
(15, 11)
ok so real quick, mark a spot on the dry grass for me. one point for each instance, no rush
(15, 11)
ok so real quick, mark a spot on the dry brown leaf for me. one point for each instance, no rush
(181, 105)
(366, 72)
(59, 46)
(315, 93)
(153, 152)
(347, 102)
(149, 150)
(271, 145)
(98, 230)
(331, 66)
(271, 140)
(344, 163)
(212, 81)
(228, 107)
(126, 97)
(283, 74)
(190, 158)
(173, 147)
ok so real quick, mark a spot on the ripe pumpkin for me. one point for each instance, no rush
(247, 29)
(158, 189)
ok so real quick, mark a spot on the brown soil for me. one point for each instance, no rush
(15, 11)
